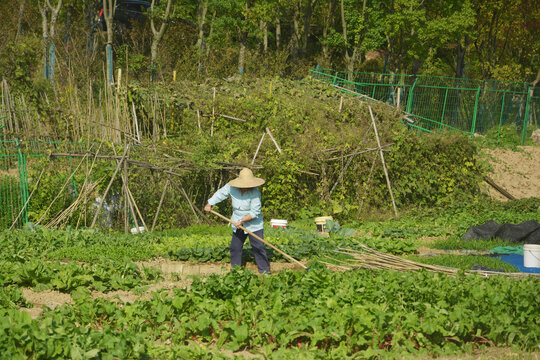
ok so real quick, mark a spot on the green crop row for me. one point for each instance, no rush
(103, 275)
(374, 314)
(203, 244)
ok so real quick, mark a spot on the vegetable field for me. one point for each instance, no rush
(290, 314)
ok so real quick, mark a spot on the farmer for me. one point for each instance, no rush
(246, 203)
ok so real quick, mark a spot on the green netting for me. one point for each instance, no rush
(435, 102)
(21, 163)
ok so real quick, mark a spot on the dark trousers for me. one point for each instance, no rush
(259, 251)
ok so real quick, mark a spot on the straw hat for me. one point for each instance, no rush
(246, 179)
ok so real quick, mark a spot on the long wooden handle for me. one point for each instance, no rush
(261, 239)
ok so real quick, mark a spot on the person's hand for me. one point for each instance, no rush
(208, 207)
(238, 224)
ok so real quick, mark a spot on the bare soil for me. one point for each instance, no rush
(518, 172)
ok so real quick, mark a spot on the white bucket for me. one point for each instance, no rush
(278, 223)
(531, 255)
(138, 230)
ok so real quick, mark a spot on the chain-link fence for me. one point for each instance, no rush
(435, 102)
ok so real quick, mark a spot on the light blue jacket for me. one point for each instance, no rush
(248, 203)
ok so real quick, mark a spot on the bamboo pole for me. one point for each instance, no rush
(274, 140)
(213, 112)
(109, 186)
(369, 180)
(382, 160)
(159, 206)
(258, 147)
(260, 239)
(164, 207)
(136, 207)
(61, 190)
(183, 192)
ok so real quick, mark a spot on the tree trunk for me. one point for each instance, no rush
(48, 28)
(278, 33)
(201, 20)
(68, 23)
(307, 26)
(350, 59)
(108, 15)
(20, 20)
(241, 57)
(295, 38)
(210, 32)
(326, 25)
(264, 29)
(157, 35)
(533, 84)
(45, 29)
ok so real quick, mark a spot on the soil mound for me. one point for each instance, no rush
(518, 172)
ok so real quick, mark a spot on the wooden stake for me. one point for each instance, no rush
(341, 174)
(183, 192)
(119, 79)
(340, 104)
(499, 188)
(157, 191)
(159, 206)
(109, 186)
(369, 180)
(174, 76)
(199, 118)
(136, 122)
(382, 160)
(261, 239)
(213, 113)
(258, 147)
(127, 204)
(273, 140)
(136, 207)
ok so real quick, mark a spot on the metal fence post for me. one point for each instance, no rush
(475, 113)
(526, 117)
(501, 117)
(335, 78)
(443, 108)
(23, 180)
(410, 97)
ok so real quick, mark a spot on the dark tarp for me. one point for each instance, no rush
(528, 232)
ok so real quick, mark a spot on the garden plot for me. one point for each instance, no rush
(104, 303)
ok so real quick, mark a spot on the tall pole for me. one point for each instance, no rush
(383, 162)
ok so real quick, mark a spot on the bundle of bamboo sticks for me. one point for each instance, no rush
(83, 197)
(368, 258)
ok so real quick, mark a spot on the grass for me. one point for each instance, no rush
(458, 244)
(464, 262)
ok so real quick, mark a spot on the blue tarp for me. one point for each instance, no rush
(517, 261)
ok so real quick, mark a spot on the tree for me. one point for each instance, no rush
(361, 30)
(157, 35)
(507, 38)
(48, 26)
(109, 7)
(327, 13)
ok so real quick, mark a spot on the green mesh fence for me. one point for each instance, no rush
(435, 102)
(21, 163)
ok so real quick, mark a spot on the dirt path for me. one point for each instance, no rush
(518, 172)
(177, 275)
